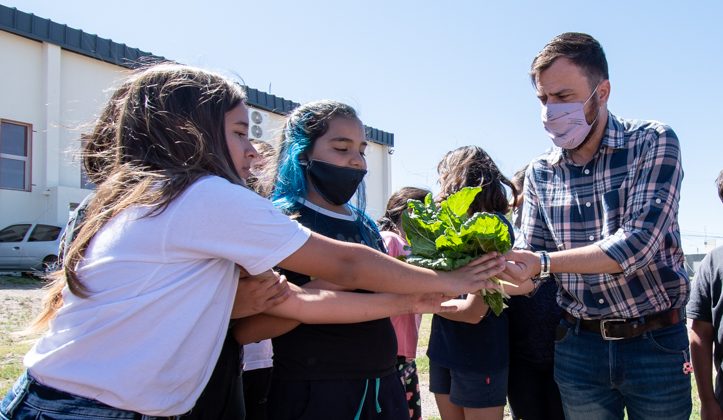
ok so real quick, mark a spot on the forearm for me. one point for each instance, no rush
(470, 310)
(585, 260)
(259, 327)
(525, 288)
(312, 306)
(523, 265)
(701, 353)
(355, 266)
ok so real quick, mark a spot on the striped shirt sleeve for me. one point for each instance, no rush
(652, 202)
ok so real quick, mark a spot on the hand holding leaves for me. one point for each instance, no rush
(445, 237)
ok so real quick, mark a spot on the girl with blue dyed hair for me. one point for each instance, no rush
(330, 371)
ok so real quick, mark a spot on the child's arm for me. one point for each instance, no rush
(701, 351)
(355, 266)
(262, 326)
(255, 294)
(525, 288)
(470, 310)
(312, 306)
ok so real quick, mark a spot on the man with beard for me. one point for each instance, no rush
(600, 217)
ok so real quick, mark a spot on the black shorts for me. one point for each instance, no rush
(469, 389)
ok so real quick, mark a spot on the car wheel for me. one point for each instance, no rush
(50, 264)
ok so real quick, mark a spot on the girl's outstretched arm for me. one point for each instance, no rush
(261, 326)
(470, 310)
(356, 266)
(255, 294)
(312, 306)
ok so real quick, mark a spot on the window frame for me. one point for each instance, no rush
(28, 160)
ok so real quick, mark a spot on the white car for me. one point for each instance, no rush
(29, 247)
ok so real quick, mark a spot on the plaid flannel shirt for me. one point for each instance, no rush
(625, 200)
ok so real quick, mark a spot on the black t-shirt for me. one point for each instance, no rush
(706, 304)
(336, 351)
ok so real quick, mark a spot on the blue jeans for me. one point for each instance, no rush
(599, 378)
(28, 399)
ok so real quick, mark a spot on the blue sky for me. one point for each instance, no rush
(442, 75)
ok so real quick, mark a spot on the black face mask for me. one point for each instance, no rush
(335, 184)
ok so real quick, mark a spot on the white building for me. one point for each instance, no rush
(54, 81)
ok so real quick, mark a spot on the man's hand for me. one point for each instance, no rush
(521, 266)
(256, 294)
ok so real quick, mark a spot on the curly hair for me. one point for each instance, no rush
(471, 166)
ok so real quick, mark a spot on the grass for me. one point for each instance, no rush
(16, 312)
(21, 280)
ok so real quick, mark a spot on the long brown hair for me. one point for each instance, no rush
(161, 130)
(471, 166)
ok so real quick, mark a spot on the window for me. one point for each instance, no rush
(15, 155)
(44, 233)
(14, 233)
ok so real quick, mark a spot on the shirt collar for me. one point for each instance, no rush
(613, 137)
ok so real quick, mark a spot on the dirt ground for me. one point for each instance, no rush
(20, 300)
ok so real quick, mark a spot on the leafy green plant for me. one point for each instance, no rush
(444, 237)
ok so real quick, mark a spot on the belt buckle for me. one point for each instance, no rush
(602, 328)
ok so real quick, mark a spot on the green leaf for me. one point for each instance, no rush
(445, 238)
(428, 200)
(421, 235)
(488, 232)
(453, 210)
(441, 263)
(458, 203)
(449, 240)
(495, 301)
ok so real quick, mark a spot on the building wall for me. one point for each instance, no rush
(22, 95)
(60, 93)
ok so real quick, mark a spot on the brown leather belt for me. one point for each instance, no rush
(619, 329)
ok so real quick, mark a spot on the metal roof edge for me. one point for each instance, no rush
(45, 30)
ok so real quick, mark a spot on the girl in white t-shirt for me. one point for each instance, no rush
(149, 280)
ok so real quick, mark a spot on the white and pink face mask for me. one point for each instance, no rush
(566, 124)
